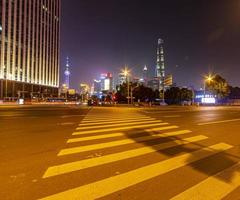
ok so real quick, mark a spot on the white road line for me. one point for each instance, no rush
(83, 164)
(215, 187)
(113, 184)
(92, 147)
(219, 122)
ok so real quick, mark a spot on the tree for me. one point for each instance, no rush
(121, 95)
(143, 93)
(175, 95)
(139, 92)
(186, 94)
(218, 86)
(234, 92)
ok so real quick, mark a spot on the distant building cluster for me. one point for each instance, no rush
(159, 81)
(103, 85)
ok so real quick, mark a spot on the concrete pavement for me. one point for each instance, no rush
(121, 153)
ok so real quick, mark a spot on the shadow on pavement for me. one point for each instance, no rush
(210, 165)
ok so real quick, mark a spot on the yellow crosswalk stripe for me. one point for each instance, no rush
(120, 128)
(113, 116)
(95, 137)
(83, 164)
(114, 125)
(115, 122)
(215, 187)
(119, 182)
(92, 147)
(114, 119)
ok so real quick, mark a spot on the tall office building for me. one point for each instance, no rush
(29, 47)
(107, 82)
(160, 68)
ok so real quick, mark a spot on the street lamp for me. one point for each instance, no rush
(126, 73)
(208, 78)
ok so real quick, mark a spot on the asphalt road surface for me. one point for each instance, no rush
(72, 152)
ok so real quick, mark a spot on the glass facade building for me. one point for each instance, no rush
(29, 48)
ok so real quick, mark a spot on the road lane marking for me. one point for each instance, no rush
(119, 128)
(215, 187)
(110, 135)
(113, 184)
(69, 116)
(66, 124)
(117, 115)
(114, 125)
(114, 119)
(114, 122)
(169, 134)
(92, 147)
(172, 116)
(83, 164)
(171, 111)
(219, 122)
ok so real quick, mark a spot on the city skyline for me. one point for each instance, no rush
(114, 34)
(119, 99)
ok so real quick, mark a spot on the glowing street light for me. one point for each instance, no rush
(208, 78)
(126, 71)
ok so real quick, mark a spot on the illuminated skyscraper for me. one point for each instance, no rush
(160, 68)
(107, 82)
(29, 47)
(67, 74)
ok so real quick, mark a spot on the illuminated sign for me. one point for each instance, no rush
(209, 100)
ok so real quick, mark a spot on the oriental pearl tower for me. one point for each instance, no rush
(67, 74)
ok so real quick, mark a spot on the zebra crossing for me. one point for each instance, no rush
(125, 129)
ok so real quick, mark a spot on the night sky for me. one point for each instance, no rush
(104, 35)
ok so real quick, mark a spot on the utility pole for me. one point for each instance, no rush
(128, 89)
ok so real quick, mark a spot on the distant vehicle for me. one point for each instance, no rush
(21, 101)
(90, 102)
(159, 102)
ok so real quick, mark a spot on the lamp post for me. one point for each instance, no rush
(126, 73)
(132, 88)
(209, 79)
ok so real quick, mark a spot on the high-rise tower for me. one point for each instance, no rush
(67, 74)
(29, 48)
(160, 68)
